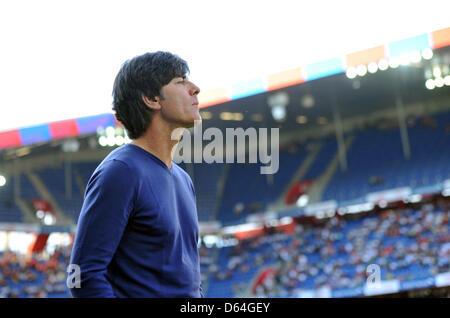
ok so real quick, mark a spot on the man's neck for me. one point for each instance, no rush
(158, 141)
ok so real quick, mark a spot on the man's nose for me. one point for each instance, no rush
(195, 90)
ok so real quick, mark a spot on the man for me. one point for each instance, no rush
(137, 232)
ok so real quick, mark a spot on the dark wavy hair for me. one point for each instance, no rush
(143, 75)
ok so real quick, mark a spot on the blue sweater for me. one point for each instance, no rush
(137, 232)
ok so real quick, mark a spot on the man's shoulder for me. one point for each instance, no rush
(120, 152)
(120, 159)
(181, 171)
(126, 154)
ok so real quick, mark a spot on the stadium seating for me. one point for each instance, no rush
(337, 253)
(70, 203)
(334, 254)
(27, 190)
(325, 155)
(375, 162)
(246, 185)
(206, 180)
(84, 170)
(408, 244)
(9, 211)
(378, 156)
(42, 275)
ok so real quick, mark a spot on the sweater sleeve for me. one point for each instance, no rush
(107, 205)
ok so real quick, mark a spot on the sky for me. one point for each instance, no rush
(58, 59)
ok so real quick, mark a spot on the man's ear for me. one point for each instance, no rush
(152, 103)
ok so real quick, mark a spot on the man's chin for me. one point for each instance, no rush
(195, 122)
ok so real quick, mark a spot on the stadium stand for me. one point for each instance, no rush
(10, 212)
(369, 170)
(28, 191)
(326, 153)
(408, 243)
(84, 170)
(206, 180)
(34, 276)
(376, 161)
(43, 274)
(246, 186)
(71, 200)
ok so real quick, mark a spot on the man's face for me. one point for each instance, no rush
(179, 102)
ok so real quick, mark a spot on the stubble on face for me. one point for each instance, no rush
(178, 109)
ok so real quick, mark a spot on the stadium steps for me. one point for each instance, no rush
(46, 195)
(23, 200)
(12, 203)
(21, 206)
(79, 181)
(27, 212)
(318, 185)
(220, 189)
(298, 175)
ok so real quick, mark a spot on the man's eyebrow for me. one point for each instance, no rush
(177, 78)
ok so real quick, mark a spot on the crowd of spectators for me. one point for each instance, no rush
(406, 244)
(36, 275)
(43, 274)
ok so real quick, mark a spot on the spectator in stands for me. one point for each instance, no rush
(376, 180)
(239, 288)
(428, 121)
(238, 208)
(2, 281)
